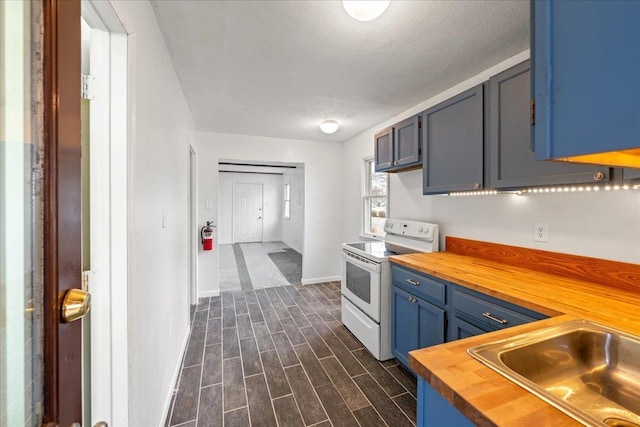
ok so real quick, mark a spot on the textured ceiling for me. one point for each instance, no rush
(278, 68)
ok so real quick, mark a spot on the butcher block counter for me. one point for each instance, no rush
(561, 286)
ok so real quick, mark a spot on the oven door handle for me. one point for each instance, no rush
(369, 266)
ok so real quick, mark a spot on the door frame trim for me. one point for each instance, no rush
(193, 226)
(109, 63)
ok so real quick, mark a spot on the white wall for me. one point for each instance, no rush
(271, 205)
(293, 228)
(158, 256)
(322, 198)
(602, 225)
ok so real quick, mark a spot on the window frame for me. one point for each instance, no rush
(286, 201)
(368, 167)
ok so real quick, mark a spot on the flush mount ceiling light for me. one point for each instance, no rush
(329, 126)
(365, 10)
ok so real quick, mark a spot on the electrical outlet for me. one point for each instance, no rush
(540, 232)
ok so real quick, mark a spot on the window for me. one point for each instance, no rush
(375, 199)
(287, 201)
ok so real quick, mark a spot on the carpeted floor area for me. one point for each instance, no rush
(289, 262)
(258, 265)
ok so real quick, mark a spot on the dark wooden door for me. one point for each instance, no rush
(62, 215)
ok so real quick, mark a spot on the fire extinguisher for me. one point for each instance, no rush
(206, 236)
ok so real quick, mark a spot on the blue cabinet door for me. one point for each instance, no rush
(461, 329)
(431, 324)
(407, 150)
(404, 324)
(435, 411)
(415, 324)
(453, 140)
(587, 76)
(512, 164)
(631, 175)
(383, 147)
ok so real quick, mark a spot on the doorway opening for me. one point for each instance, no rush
(261, 224)
(193, 232)
(105, 213)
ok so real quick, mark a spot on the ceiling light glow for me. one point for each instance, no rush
(362, 10)
(329, 126)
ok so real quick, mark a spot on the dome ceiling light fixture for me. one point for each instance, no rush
(329, 126)
(363, 10)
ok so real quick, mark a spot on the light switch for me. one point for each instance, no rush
(164, 217)
(208, 205)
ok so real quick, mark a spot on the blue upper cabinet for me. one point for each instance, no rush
(511, 163)
(453, 137)
(407, 149)
(383, 146)
(587, 81)
(399, 147)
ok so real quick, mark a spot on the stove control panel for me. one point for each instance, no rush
(416, 229)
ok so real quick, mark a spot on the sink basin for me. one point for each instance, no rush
(589, 371)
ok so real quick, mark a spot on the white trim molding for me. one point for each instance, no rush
(321, 280)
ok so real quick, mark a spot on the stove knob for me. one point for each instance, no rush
(390, 225)
(420, 230)
(426, 230)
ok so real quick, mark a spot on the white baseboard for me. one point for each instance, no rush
(213, 293)
(174, 379)
(321, 280)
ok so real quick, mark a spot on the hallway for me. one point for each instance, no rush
(258, 265)
(281, 357)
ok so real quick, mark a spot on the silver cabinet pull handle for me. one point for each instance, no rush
(489, 316)
(413, 282)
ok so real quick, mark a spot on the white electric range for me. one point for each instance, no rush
(366, 280)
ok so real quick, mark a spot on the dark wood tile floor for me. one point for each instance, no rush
(281, 357)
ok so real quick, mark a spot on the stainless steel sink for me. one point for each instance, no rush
(588, 371)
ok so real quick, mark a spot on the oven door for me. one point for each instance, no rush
(361, 283)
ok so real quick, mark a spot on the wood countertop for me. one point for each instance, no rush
(481, 394)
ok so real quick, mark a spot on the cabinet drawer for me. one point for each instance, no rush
(419, 285)
(485, 314)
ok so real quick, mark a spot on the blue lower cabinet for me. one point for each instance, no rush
(431, 324)
(461, 329)
(404, 337)
(435, 411)
(415, 324)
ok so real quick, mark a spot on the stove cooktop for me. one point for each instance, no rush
(375, 249)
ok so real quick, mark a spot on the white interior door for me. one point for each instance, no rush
(247, 213)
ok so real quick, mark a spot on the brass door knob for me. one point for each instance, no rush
(75, 305)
